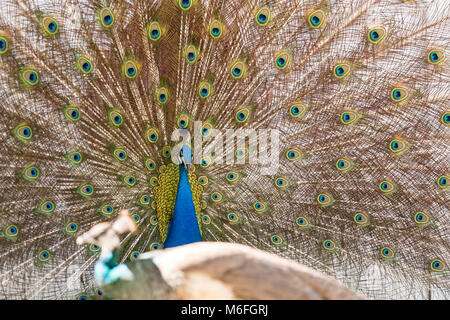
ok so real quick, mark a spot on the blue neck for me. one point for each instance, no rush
(183, 228)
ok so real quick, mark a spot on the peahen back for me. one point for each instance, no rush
(91, 92)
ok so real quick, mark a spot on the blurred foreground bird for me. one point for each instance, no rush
(317, 131)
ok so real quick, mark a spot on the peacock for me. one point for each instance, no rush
(311, 131)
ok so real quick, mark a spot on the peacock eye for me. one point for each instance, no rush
(154, 31)
(49, 26)
(86, 190)
(191, 54)
(71, 228)
(443, 182)
(325, 199)
(29, 77)
(437, 265)
(387, 253)
(435, 56)
(302, 222)
(329, 245)
(316, 18)
(84, 64)
(23, 132)
(130, 68)
(30, 173)
(44, 256)
(106, 18)
(215, 29)
(185, 4)
(276, 239)
(387, 187)
(3, 44)
(342, 70)
(377, 35)
(263, 16)
(238, 69)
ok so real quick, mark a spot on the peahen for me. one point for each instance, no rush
(314, 130)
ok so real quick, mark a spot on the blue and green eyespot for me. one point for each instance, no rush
(349, 117)
(166, 152)
(119, 154)
(106, 210)
(203, 180)
(233, 218)
(207, 128)
(302, 222)
(361, 219)
(387, 253)
(423, 218)
(149, 163)
(233, 176)
(154, 31)
(134, 255)
(130, 68)
(44, 256)
(86, 190)
(435, 56)
(3, 44)
(84, 64)
(143, 200)
(398, 145)
(316, 18)
(277, 240)
(260, 207)
(205, 89)
(23, 132)
(282, 183)
(49, 26)
(399, 94)
(191, 54)
(298, 109)
(128, 180)
(377, 35)
(325, 199)
(238, 69)
(294, 154)
(329, 245)
(442, 182)
(155, 246)
(46, 207)
(74, 157)
(437, 265)
(153, 220)
(344, 164)
(162, 95)
(153, 181)
(263, 16)
(342, 70)
(29, 76)
(11, 232)
(106, 18)
(115, 117)
(243, 114)
(216, 29)
(30, 173)
(216, 197)
(206, 219)
(387, 187)
(283, 59)
(70, 228)
(185, 4)
(72, 113)
(183, 121)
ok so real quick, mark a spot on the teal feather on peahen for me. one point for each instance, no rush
(92, 92)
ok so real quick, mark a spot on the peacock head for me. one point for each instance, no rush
(186, 157)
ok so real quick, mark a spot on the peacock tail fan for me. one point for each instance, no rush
(357, 92)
